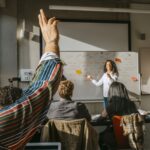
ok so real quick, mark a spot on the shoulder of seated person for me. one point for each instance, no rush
(65, 102)
(132, 102)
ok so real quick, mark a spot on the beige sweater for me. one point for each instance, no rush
(73, 135)
(133, 127)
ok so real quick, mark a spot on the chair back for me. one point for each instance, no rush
(73, 135)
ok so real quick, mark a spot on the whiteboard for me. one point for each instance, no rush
(79, 64)
(87, 36)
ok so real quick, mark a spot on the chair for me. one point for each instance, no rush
(133, 127)
(73, 135)
(122, 141)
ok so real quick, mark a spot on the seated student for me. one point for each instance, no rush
(119, 104)
(65, 108)
(8, 95)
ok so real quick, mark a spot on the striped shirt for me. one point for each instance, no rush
(20, 120)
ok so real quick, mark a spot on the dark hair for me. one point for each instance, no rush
(114, 67)
(9, 95)
(119, 102)
(117, 89)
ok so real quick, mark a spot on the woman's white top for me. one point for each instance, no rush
(106, 82)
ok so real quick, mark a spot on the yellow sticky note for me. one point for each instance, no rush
(79, 72)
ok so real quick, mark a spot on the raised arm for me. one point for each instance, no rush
(97, 83)
(20, 120)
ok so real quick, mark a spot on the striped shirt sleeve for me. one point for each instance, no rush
(19, 121)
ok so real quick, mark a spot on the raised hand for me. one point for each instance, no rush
(89, 77)
(50, 32)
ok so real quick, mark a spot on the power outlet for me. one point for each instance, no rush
(26, 75)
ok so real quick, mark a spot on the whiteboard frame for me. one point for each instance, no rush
(132, 95)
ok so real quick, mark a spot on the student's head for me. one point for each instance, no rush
(119, 90)
(9, 95)
(65, 89)
(110, 66)
(119, 99)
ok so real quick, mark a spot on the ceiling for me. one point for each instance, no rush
(136, 1)
(87, 2)
(29, 13)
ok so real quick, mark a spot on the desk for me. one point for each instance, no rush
(100, 122)
(147, 118)
(104, 122)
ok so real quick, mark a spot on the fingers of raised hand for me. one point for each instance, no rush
(51, 20)
(43, 20)
(55, 22)
(40, 20)
(43, 17)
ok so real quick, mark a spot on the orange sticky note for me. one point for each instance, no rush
(133, 78)
(118, 60)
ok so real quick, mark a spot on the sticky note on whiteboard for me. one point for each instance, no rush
(133, 78)
(78, 72)
(118, 60)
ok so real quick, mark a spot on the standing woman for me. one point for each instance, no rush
(110, 75)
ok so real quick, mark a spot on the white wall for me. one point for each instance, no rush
(140, 23)
(96, 36)
(29, 56)
(8, 48)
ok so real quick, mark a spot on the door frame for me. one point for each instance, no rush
(140, 67)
